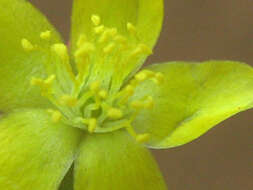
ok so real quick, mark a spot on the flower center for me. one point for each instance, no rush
(95, 99)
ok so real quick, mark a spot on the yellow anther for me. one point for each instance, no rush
(36, 81)
(109, 48)
(148, 72)
(81, 40)
(108, 33)
(137, 104)
(142, 138)
(115, 113)
(92, 124)
(99, 29)
(27, 45)
(120, 39)
(104, 37)
(142, 49)
(61, 50)
(50, 79)
(45, 85)
(68, 100)
(130, 90)
(134, 82)
(84, 50)
(45, 35)
(95, 20)
(56, 115)
(103, 94)
(131, 28)
(149, 102)
(95, 86)
(141, 76)
(159, 78)
(113, 32)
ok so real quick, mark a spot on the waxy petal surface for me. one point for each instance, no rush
(115, 161)
(193, 98)
(35, 153)
(20, 20)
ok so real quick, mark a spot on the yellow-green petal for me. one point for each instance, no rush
(35, 153)
(22, 53)
(145, 15)
(193, 98)
(115, 161)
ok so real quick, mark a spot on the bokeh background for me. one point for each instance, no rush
(197, 30)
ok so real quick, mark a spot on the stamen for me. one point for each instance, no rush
(68, 100)
(131, 28)
(121, 39)
(95, 20)
(137, 104)
(36, 81)
(27, 45)
(45, 85)
(108, 33)
(149, 103)
(102, 105)
(92, 124)
(84, 49)
(142, 49)
(95, 86)
(103, 94)
(126, 93)
(129, 90)
(113, 32)
(115, 113)
(81, 40)
(99, 29)
(109, 48)
(56, 115)
(142, 138)
(50, 79)
(45, 35)
(141, 76)
(61, 50)
(159, 78)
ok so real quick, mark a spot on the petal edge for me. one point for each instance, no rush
(115, 161)
(194, 98)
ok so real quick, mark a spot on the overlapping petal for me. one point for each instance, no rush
(35, 153)
(122, 35)
(146, 15)
(115, 161)
(18, 20)
(68, 181)
(193, 98)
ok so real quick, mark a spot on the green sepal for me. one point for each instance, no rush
(115, 161)
(35, 152)
(193, 98)
(20, 20)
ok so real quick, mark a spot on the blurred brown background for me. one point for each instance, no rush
(196, 30)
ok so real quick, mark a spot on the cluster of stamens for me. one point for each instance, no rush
(95, 99)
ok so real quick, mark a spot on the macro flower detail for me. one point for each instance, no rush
(94, 101)
(81, 117)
